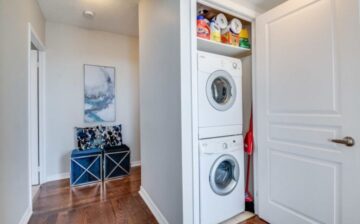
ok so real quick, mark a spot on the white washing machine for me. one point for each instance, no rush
(219, 95)
(221, 179)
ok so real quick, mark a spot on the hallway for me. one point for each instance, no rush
(112, 202)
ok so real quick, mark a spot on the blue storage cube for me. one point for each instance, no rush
(116, 162)
(86, 166)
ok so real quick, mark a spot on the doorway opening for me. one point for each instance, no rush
(34, 113)
(36, 57)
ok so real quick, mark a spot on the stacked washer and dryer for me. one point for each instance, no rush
(220, 137)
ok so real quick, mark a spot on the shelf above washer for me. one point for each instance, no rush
(220, 48)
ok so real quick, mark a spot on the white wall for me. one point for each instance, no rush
(68, 49)
(14, 189)
(160, 110)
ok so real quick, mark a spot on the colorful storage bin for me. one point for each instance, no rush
(86, 166)
(116, 162)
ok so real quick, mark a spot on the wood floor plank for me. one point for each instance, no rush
(119, 210)
(100, 213)
(254, 220)
(73, 216)
(115, 201)
(112, 202)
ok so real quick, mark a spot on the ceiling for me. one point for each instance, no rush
(266, 4)
(117, 16)
(260, 5)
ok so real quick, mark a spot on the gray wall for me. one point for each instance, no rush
(160, 105)
(246, 91)
(68, 49)
(247, 102)
(14, 189)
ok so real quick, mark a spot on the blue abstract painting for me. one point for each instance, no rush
(99, 93)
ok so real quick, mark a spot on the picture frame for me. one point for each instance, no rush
(99, 94)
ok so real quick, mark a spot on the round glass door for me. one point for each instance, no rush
(221, 90)
(224, 175)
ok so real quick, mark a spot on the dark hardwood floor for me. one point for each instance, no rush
(112, 202)
(255, 220)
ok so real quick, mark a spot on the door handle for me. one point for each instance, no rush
(348, 141)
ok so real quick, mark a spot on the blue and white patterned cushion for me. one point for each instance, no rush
(111, 135)
(89, 138)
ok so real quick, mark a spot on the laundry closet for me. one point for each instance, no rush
(296, 88)
(296, 66)
(224, 102)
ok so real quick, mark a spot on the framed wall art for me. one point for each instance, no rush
(99, 94)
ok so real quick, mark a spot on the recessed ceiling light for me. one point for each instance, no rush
(89, 14)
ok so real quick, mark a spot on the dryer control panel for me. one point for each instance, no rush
(208, 62)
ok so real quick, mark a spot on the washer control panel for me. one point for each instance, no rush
(221, 145)
(225, 145)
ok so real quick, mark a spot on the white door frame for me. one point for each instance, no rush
(34, 39)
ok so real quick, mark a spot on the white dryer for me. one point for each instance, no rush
(222, 193)
(219, 95)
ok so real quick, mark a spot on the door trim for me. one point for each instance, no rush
(34, 38)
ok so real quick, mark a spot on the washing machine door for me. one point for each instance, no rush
(221, 90)
(224, 175)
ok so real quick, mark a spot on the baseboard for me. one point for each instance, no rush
(152, 206)
(135, 163)
(26, 217)
(59, 176)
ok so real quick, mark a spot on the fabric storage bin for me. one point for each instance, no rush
(86, 166)
(116, 162)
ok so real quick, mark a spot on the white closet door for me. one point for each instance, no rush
(307, 93)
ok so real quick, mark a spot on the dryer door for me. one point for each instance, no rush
(221, 90)
(224, 175)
